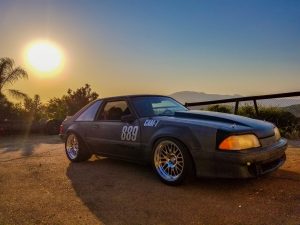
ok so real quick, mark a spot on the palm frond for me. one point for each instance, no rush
(6, 65)
(17, 94)
(16, 74)
(9, 74)
(7, 61)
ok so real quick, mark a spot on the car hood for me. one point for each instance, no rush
(237, 123)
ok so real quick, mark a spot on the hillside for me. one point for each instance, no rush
(294, 109)
(192, 96)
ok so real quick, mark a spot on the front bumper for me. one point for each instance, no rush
(242, 164)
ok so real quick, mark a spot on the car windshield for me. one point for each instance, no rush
(156, 106)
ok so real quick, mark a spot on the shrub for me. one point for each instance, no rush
(286, 122)
(248, 111)
(220, 108)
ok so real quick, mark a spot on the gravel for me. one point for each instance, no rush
(38, 185)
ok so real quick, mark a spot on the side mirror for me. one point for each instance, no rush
(128, 118)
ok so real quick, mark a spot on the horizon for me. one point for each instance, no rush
(133, 47)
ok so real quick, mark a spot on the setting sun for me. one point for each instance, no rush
(44, 57)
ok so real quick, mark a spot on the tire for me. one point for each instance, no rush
(75, 148)
(171, 161)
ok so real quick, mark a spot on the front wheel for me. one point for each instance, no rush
(75, 148)
(171, 161)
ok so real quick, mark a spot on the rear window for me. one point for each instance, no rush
(90, 113)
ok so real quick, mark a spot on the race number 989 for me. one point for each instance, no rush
(129, 133)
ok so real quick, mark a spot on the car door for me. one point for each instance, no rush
(111, 136)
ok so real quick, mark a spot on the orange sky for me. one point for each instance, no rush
(157, 47)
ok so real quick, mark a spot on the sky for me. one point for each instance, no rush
(158, 47)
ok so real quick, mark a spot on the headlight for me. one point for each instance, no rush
(239, 142)
(277, 133)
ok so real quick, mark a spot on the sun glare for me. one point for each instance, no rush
(44, 56)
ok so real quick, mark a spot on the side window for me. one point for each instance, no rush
(114, 110)
(90, 112)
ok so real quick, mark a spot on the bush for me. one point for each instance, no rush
(10, 111)
(284, 120)
(287, 123)
(220, 108)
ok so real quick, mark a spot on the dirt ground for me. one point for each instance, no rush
(38, 185)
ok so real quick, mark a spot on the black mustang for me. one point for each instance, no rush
(176, 141)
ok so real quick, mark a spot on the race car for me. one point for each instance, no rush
(176, 141)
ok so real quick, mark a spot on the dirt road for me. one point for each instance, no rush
(38, 185)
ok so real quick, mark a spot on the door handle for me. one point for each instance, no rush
(95, 126)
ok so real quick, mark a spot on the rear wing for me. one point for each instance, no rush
(243, 99)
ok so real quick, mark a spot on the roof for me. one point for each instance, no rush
(133, 96)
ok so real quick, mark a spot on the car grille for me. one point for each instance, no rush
(267, 141)
(263, 168)
(271, 165)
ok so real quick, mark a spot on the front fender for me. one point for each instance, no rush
(181, 133)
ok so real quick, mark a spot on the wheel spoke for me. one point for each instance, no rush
(169, 170)
(165, 166)
(163, 160)
(164, 151)
(173, 172)
(174, 148)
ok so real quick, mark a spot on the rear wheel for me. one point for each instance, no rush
(75, 149)
(171, 161)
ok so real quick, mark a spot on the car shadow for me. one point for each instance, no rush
(118, 192)
(25, 144)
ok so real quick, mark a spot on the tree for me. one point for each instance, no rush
(57, 109)
(69, 104)
(9, 75)
(10, 111)
(34, 108)
(75, 100)
(5, 108)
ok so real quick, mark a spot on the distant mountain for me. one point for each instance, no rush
(192, 96)
(294, 109)
(291, 104)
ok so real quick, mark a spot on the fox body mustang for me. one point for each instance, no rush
(175, 140)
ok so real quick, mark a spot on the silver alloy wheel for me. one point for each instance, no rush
(72, 146)
(168, 160)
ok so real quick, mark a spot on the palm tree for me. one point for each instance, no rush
(9, 75)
